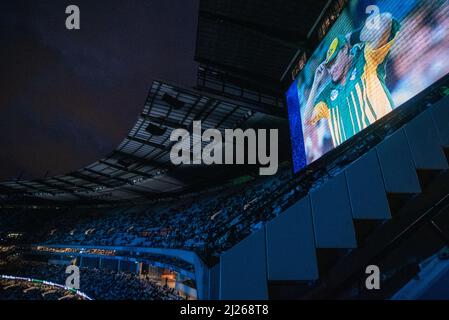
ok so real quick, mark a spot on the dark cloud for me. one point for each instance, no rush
(69, 97)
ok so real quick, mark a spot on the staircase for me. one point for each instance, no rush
(381, 209)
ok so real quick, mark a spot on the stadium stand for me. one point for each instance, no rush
(21, 290)
(307, 235)
(214, 223)
(206, 224)
(404, 190)
(98, 284)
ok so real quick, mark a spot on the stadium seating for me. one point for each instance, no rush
(393, 167)
(273, 228)
(21, 290)
(96, 283)
(209, 224)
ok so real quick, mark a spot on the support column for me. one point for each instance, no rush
(139, 268)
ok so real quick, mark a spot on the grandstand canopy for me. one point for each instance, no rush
(253, 38)
(140, 166)
(249, 40)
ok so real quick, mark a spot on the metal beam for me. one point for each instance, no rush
(107, 176)
(9, 190)
(155, 178)
(50, 185)
(257, 104)
(143, 161)
(211, 74)
(253, 106)
(132, 171)
(124, 169)
(164, 121)
(89, 179)
(123, 189)
(245, 74)
(72, 184)
(232, 101)
(148, 143)
(26, 185)
(282, 37)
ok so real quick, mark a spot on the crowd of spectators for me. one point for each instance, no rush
(98, 284)
(150, 258)
(207, 223)
(24, 290)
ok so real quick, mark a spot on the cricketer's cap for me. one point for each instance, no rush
(337, 44)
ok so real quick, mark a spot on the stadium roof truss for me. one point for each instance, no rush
(140, 166)
(251, 40)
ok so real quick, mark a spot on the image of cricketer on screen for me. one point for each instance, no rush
(349, 88)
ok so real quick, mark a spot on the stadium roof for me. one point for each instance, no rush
(249, 39)
(140, 166)
(253, 38)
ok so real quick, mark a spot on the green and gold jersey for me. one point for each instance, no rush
(362, 100)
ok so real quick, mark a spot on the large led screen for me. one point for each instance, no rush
(378, 55)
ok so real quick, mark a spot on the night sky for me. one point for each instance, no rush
(67, 98)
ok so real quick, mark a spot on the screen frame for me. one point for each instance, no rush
(310, 52)
(415, 103)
